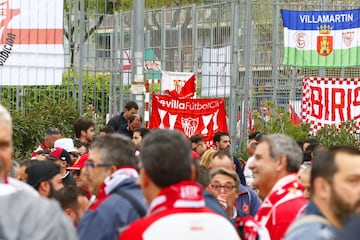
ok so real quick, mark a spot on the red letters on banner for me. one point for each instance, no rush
(338, 101)
(191, 116)
(330, 101)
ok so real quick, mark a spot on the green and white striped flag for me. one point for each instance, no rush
(321, 39)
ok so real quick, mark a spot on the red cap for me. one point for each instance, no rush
(80, 163)
(59, 153)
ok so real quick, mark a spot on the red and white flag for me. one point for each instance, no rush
(295, 112)
(31, 42)
(251, 126)
(330, 101)
(178, 84)
(190, 116)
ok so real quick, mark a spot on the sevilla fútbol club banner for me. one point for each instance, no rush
(330, 101)
(191, 116)
(31, 42)
(178, 84)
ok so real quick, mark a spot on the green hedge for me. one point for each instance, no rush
(29, 126)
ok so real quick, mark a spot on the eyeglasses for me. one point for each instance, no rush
(94, 165)
(227, 187)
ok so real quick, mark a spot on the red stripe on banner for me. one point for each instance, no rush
(32, 36)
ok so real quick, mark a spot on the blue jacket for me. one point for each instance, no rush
(351, 229)
(248, 202)
(239, 171)
(117, 121)
(315, 228)
(124, 130)
(212, 203)
(112, 214)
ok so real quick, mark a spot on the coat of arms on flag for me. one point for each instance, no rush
(324, 41)
(348, 38)
(178, 84)
(189, 125)
(190, 116)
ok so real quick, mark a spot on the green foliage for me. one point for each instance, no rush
(54, 106)
(29, 126)
(280, 123)
(242, 154)
(169, 3)
(331, 135)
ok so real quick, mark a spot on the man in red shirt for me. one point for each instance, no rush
(276, 161)
(177, 207)
(51, 135)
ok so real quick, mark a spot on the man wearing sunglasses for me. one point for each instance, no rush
(112, 175)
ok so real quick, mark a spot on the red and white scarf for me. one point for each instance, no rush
(111, 182)
(287, 188)
(185, 194)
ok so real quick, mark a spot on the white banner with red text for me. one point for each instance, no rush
(31, 42)
(327, 101)
(190, 116)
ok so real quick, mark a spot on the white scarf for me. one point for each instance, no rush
(112, 181)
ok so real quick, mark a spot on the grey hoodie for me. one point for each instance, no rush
(24, 215)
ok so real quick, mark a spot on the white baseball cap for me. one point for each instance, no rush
(65, 143)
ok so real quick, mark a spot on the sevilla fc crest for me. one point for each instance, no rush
(178, 85)
(347, 38)
(324, 45)
(189, 125)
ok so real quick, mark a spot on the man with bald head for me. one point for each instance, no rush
(222, 158)
(247, 202)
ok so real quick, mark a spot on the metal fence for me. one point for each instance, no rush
(235, 47)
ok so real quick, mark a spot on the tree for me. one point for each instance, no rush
(94, 12)
(156, 30)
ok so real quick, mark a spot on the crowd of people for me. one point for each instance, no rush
(133, 183)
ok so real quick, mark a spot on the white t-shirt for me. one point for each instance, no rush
(248, 173)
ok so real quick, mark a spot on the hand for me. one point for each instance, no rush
(222, 200)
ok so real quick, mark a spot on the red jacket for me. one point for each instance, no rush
(282, 206)
(184, 217)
